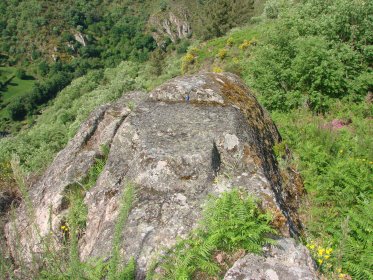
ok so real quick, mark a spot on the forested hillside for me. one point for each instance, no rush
(54, 43)
(309, 63)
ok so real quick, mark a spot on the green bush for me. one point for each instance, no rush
(183, 47)
(308, 59)
(17, 109)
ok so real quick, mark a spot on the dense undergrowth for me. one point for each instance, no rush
(310, 64)
(337, 168)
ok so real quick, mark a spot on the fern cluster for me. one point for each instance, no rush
(358, 245)
(230, 222)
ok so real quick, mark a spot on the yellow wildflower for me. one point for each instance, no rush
(321, 251)
(217, 69)
(230, 42)
(341, 275)
(320, 261)
(339, 270)
(312, 246)
(326, 257)
(328, 251)
(245, 45)
(222, 53)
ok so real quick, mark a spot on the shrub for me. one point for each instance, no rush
(308, 59)
(222, 53)
(230, 42)
(271, 9)
(217, 69)
(183, 47)
(187, 60)
(245, 44)
(17, 109)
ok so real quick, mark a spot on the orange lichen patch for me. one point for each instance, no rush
(250, 154)
(293, 191)
(279, 221)
(238, 95)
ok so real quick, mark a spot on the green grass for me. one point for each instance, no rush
(14, 89)
(6, 73)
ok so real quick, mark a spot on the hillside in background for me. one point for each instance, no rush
(57, 42)
(309, 63)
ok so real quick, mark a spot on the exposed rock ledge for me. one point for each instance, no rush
(285, 261)
(176, 152)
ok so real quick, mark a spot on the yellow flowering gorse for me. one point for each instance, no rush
(320, 253)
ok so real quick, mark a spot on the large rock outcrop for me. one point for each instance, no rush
(191, 137)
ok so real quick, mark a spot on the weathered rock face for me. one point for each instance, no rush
(81, 38)
(175, 151)
(287, 260)
(171, 25)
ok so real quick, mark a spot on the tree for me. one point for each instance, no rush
(21, 74)
(219, 16)
(17, 110)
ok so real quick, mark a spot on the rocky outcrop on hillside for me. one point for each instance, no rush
(189, 138)
(171, 24)
(81, 38)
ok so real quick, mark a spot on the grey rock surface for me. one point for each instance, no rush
(286, 260)
(177, 152)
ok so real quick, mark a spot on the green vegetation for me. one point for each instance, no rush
(59, 42)
(229, 223)
(60, 121)
(13, 85)
(337, 167)
(309, 63)
(302, 60)
(115, 271)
